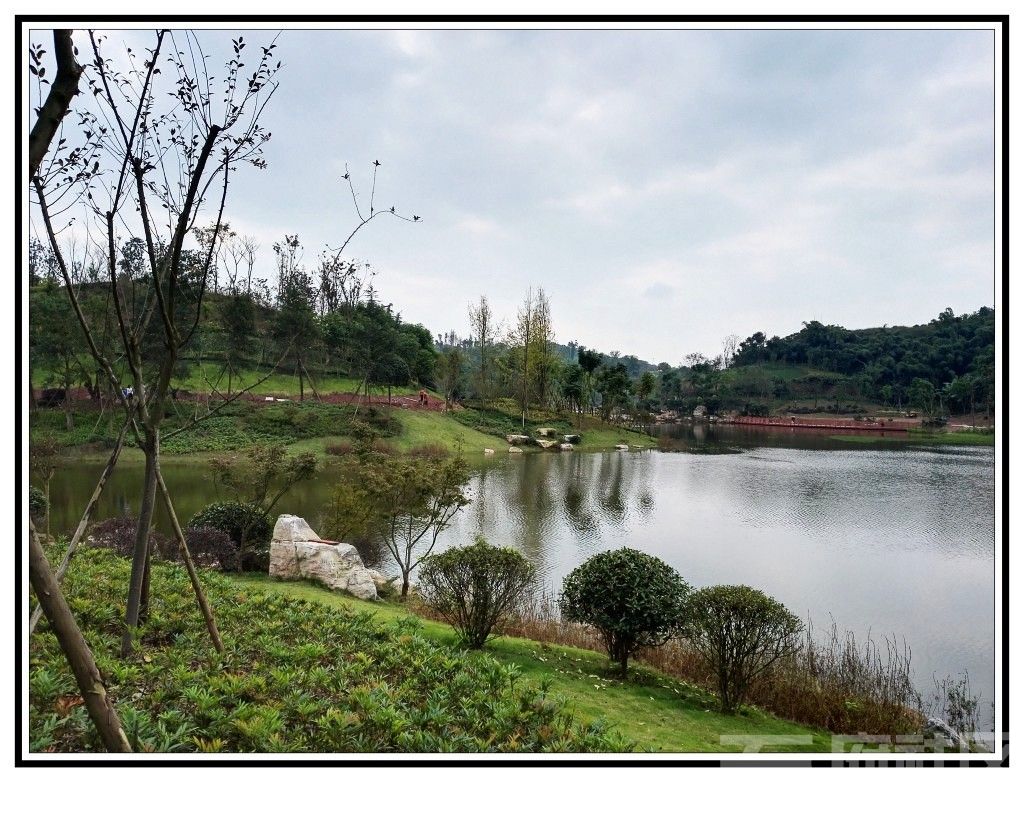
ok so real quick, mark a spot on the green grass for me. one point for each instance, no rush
(502, 418)
(948, 437)
(658, 713)
(279, 384)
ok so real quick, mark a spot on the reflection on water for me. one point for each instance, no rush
(894, 540)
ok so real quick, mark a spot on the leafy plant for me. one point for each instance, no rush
(119, 535)
(632, 599)
(741, 633)
(37, 504)
(210, 546)
(473, 587)
(249, 529)
(296, 677)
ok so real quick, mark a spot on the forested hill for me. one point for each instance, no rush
(945, 349)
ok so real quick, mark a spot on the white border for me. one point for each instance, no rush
(737, 758)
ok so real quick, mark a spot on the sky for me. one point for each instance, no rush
(665, 188)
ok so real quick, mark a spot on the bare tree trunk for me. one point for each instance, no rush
(193, 576)
(84, 523)
(75, 648)
(140, 556)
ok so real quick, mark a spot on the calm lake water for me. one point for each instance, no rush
(886, 538)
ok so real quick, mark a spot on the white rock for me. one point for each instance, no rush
(515, 449)
(565, 446)
(296, 551)
(621, 446)
(488, 451)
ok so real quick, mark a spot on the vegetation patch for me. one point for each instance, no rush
(296, 676)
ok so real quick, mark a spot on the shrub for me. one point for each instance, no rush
(474, 587)
(741, 633)
(248, 527)
(37, 504)
(119, 535)
(633, 599)
(209, 546)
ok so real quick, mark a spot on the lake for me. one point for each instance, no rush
(883, 537)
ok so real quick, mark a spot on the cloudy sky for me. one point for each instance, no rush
(666, 188)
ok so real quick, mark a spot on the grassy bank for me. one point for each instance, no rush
(306, 669)
(656, 712)
(915, 436)
(312, 427)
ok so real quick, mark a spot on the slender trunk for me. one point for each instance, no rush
(301, 385)
(75, 648)
(140, 556)
(405, 583)
(193, 576)
(80, 530)
(144, 596)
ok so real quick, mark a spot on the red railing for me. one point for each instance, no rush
(894, 425)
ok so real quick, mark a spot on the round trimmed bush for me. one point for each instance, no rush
(249, 529)
(633, 599)
(474, 587)
(741, 633)
(37, 504)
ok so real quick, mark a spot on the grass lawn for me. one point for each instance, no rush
(660, 714)
(949, 437)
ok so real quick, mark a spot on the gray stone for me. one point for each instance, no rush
(547, 432)
(546, 444)
(513, 438)
(488, 451)
(571, 438)
(515, 449)
(564, 446)
(621, 446)
(297, 552)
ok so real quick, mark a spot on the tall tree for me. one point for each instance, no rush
(137, 154)
(481, 322)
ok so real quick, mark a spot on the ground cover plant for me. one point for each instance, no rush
(295, 676)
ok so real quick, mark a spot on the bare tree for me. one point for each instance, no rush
(481, 322)
(150, 168)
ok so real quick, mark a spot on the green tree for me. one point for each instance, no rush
(474, 587)
(741, 633)
(633, 599)
(403, 503)
(615, 387)
(449, 374)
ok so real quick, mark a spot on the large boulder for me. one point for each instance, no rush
(297, 552)
(518, 440)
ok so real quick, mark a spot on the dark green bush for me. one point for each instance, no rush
(474, 587)
(37, 504)
(631, 598)
(296, 677)
(249, 528)
(741, 633)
